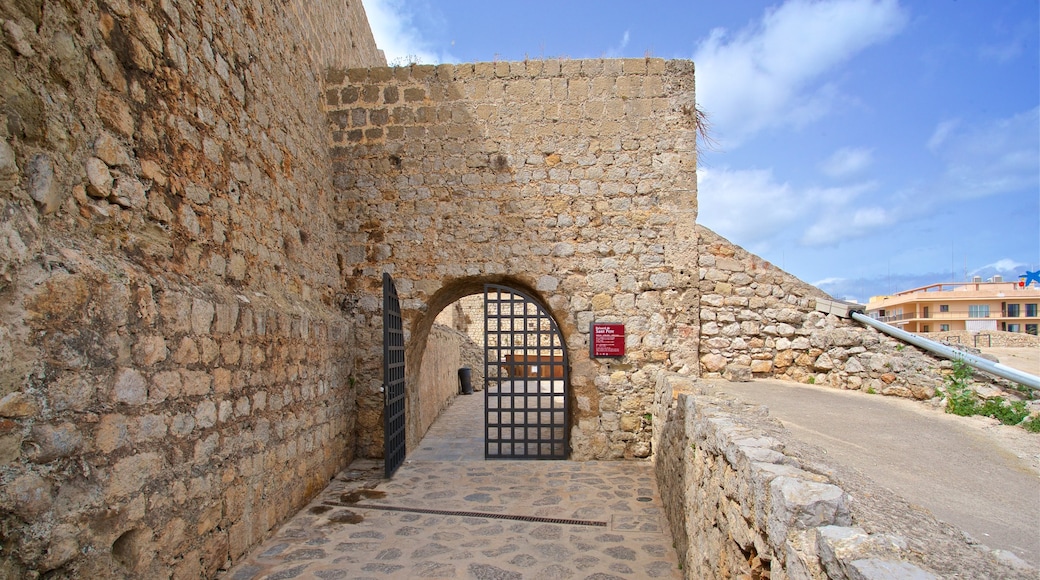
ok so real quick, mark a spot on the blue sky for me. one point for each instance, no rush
(865, 146)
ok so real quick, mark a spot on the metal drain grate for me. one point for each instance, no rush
(391, 508)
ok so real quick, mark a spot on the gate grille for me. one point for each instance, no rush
(393, 379)
(526, 369)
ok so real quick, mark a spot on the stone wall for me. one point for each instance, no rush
(572, 181)
(438, 383)
(759, 321)
(746, 500)
(985, 339)
(174, 365)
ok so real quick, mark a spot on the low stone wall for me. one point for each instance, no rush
(759, 321)
(745, 500)
(985, 339)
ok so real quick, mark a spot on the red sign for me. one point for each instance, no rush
(607, 340)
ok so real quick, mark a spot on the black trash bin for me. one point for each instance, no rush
(465, 381)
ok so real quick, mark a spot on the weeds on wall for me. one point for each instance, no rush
(962, 400)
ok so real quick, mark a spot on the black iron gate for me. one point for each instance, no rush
(525, 366)
(393, 379)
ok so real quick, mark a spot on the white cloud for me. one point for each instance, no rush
(392, 23)
(847, 161)
(766, 75)
(750, 207)
(828, 281)
(942, 132)
(1014, 43)
(1002, 265)
(834, 227)
(991, 157)
(619, 50)
(733, 203)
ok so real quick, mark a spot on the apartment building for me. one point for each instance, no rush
(973, 306)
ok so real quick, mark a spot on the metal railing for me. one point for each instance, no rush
(1022, 378)
(961, 315)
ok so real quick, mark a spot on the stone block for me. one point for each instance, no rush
(50, 442)
(878, 569)
(42, 184)
(186, 353)
(737, 373)
(112, 433)
(195, 383)
(713, 362)
(205, 414)
(761, 366)
(797, 504)
(175, 312)
(99, 178)
(115, 113)
(18, 405)
(201, 316)
(130, 388)
(28, 496)
(130, 474)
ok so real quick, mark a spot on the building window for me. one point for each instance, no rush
(1013, 310)
(944, 308)
(1031, 310)
(926, 328)
(944, 327)
(1014, 328)
(978, 311)
(1031, 329)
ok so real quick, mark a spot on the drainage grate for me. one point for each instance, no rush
(391, 508)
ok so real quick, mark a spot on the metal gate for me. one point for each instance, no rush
(393, 379)
(525, 366)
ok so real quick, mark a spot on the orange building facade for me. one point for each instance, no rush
(973, 306)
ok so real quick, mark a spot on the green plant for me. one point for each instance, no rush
(1008, 413)
(871, 391)
(812, 380)
(960, 399)
(900, 347)
(648, 417)
(1032, 424)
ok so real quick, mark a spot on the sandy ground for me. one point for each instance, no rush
(1025, 359)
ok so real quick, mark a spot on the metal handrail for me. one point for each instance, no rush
(1022, 378)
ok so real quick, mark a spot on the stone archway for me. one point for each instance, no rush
(420, 326)
(575, 181)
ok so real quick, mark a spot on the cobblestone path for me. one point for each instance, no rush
(447, 513)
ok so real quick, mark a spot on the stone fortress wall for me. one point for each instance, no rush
(199, 200)
(573, 181)
(175, 370)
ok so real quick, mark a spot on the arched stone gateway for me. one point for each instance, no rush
(527, 373)
(571, 181)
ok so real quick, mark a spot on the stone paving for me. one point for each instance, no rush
(447, 513)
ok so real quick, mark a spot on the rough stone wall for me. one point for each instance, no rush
(745, 500)
(966, 338)
(573, 181)
(472, 318)
(438, 382)
(174, 362)
(759, 321)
